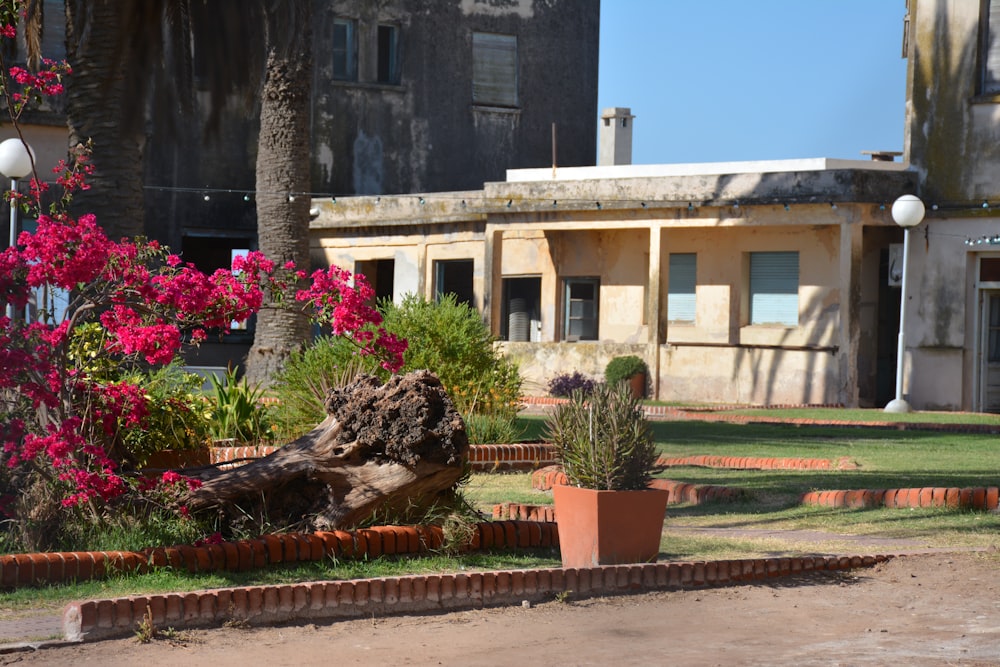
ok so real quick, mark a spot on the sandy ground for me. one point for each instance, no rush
(935, 609)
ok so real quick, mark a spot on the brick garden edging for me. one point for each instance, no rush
(756, 463)
(483, 458)
(544, 479)
(519, 456)
(980, 498)
(19, 570)
(117, 617)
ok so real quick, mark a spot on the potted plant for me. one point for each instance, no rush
(607, 514)
(630, 369)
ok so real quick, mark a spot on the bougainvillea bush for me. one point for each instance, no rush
(61, 412)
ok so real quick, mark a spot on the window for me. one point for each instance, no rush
(494, 69)
(774, 288)
(521, 319)
(345, 50)
(990, 48)
(682, 279)
(387, 70)
(581, 309)
(380, 274)
(454, 276)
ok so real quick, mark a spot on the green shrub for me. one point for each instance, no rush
(620, 369)
(179, 415)
(301, 387)
(238, 413)
(493, 429)
(603, 440)
(451, 340)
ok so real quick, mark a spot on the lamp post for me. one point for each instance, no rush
(16, 159)
(907, 212)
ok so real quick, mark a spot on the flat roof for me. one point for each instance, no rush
(696, 169)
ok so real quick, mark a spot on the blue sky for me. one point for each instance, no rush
(755, 79)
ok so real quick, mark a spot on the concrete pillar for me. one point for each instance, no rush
(851, 235)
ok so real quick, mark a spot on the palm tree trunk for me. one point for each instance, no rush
(95, 95)
(283, 176)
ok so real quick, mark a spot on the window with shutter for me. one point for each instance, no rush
(774, 288)
(581, 309)
(345, 50)
(990, 48)
(682, 280)
(494, 69)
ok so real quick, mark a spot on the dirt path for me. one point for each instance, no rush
(928, 609)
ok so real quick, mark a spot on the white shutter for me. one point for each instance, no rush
(494, 69)
(682, 280)
(774, 288)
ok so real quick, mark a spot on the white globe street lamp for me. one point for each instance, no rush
(907, 212)
(16, 159)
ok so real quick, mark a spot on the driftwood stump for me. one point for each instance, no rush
(392, 447)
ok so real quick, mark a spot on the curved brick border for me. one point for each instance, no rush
(756, 463)
(519, 456)
(522, 512)
(980, 498)
(19, 570)
(483, 458)
(544, 479)
(117, 617)
(238, 454)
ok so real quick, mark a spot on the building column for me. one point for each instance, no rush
(492, 277)
(851, 246)
(653, 314)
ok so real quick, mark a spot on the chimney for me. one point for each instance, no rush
(616, 137)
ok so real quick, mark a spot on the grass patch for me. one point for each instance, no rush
(486, 490)
(857, 415)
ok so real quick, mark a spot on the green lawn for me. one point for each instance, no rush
(887, 458)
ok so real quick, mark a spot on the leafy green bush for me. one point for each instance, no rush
(302, 385)
(451, 340)
(492, 429)
(620, 369)
(603, 440)
(446, 337)
(178, 413)
(238, 413)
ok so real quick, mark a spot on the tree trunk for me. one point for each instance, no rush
(395, 447)
(95, 96)
(283, 179)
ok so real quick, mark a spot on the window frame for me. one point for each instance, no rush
(495, 70)
(441, 267)
(387, 65)
(349, 50)
(773, 287)
(682, 287)
(988, 80)
(569, 318)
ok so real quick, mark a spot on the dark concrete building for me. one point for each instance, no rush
(408, 96)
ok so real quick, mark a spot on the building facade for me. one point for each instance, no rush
(764, 283)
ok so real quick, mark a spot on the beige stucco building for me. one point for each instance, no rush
(740, 282)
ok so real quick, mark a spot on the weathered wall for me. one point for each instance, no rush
(425, 134)
(953, 133)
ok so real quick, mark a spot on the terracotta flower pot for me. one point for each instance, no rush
(637, 383)
(608, 527)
